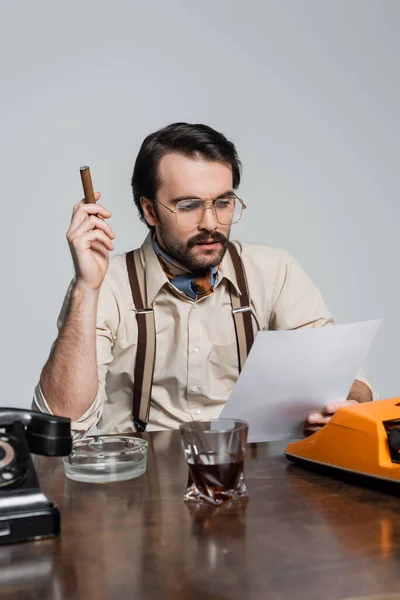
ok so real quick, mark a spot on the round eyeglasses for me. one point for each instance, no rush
(190, 212)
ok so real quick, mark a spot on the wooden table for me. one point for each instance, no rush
(301, 536)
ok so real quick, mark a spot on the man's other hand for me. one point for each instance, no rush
(316, 420)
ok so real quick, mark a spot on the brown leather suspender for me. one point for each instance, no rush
(146, 347)
(241, 310)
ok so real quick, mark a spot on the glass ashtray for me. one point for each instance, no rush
(104, 458)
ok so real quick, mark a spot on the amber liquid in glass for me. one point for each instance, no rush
(207, 474)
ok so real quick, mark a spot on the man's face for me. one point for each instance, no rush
(200, 245)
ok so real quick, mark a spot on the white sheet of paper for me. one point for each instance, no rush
(289, 374)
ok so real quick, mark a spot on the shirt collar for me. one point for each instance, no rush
(227, 271)
(156, 278)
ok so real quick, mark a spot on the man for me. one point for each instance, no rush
(184, 184)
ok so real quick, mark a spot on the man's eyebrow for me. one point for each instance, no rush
(226, 194)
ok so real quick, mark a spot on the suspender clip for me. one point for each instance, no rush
(139, 424)
(144, 311)
(241, 309)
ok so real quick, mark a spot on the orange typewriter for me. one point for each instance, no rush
(361, 443)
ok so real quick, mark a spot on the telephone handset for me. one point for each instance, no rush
(25, 512)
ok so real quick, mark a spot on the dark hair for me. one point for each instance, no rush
(183, 138)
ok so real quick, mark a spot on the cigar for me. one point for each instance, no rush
(87, 185)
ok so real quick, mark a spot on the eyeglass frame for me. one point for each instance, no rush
(211, 205)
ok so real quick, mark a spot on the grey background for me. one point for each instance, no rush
(308, 90)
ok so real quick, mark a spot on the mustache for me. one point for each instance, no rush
(201, 238)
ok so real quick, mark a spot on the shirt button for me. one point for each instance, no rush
(195, 349)
(198, 411)
(194, 388)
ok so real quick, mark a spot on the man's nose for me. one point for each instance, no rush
(208, 221)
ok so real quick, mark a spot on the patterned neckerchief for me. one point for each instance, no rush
(195, 285)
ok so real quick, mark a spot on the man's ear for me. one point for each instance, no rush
(148, 211)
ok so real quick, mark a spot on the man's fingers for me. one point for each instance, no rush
(310, 429)
(333, 406)
(84, 210)
(84, 242)
(323, 418)
(97, 196)
(100, 236)
(91, 209)
(92, 222)
(318, 419)
(99, 248)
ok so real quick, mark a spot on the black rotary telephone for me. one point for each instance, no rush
(25, 512)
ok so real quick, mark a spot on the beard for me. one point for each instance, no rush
(184, 252)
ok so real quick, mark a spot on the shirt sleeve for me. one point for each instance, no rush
(361, 376)
(106, 330)
(299, 304)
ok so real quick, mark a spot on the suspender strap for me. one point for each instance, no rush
(146, 346)
(241, 310)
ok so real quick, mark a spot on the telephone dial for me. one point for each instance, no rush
(25, 512)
